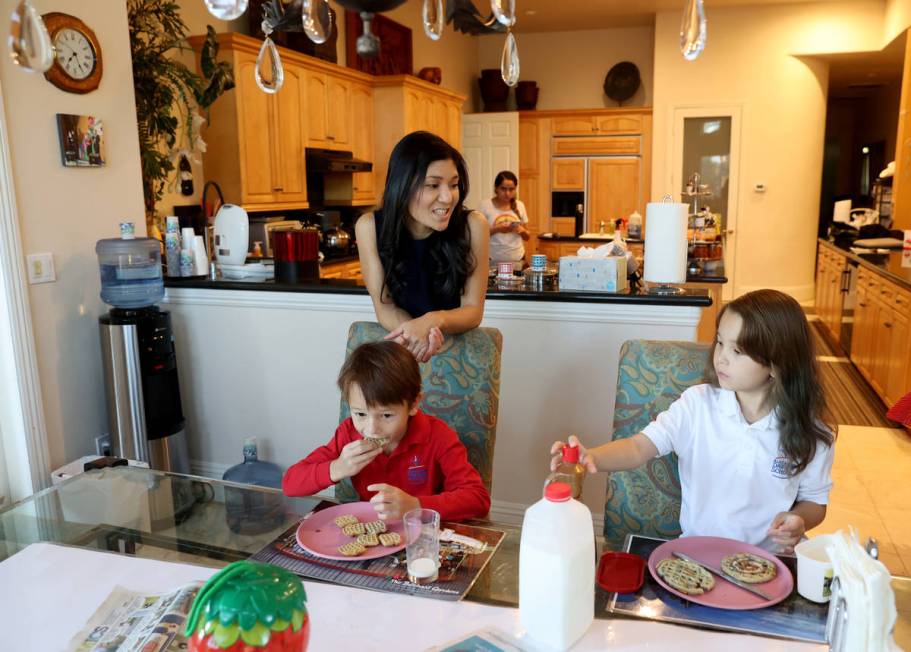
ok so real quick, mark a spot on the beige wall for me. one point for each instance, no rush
(65, 211)
(570, 66)
(749, 61)
(897, 18)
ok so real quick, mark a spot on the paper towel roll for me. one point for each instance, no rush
(665, 242)
(200, 259)
(186, 237)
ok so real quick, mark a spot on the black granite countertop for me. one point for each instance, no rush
(697, 298)
(888, 265)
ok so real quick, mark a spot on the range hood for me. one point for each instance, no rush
(331, 160)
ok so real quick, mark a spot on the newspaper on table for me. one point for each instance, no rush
(130, 621)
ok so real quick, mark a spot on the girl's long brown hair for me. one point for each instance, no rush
(775, 333)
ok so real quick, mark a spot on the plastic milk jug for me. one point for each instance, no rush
(557, 569)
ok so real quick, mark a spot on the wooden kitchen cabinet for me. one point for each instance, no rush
(256, 140)
(881, 338)
(528, 148)
(329, 110)
(582, 125)
(830, 270)
(568, 174)
(615, 189)
(402, 104)
(361, 102)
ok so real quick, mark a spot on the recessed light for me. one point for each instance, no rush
(531, 12)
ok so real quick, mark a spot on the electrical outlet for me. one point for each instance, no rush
(103, 445)
(41, 268)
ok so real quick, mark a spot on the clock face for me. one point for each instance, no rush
(75, 53)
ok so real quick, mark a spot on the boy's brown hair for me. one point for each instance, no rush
(385, 372)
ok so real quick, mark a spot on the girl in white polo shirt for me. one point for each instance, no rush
(755, 456)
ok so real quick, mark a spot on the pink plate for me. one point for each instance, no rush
(319, 535)
(725, 595)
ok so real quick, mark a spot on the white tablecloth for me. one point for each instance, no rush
(48, 592)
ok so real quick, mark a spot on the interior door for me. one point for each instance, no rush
(490, 143)
(707, 140)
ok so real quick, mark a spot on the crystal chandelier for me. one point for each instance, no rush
(314, 18)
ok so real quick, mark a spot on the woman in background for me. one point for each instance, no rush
(507, 219)
(423, 255)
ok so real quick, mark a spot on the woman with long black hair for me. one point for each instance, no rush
(423, 255)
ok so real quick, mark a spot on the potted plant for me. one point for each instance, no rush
(168, 94)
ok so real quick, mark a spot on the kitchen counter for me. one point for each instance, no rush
(260, 359)
(556, 237)
(888, 265)
(698, 298)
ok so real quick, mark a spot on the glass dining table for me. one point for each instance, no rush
(181, 518)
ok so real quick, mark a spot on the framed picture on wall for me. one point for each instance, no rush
(81, 140)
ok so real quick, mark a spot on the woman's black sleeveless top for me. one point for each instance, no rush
(420, 294)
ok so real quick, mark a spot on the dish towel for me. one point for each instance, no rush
(865, 586)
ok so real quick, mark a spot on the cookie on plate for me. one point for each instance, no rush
(390, 539)
(351, 549)
(375, 527)
(368, 540)
(345, 519)
(686, 577)
(750, 568)
(353, 529)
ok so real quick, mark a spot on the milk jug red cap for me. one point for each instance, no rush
(558, 492)
(570, 454)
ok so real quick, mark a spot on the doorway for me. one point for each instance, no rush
(706, 140)
(490, 143)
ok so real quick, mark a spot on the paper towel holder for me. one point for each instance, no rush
(665, 289)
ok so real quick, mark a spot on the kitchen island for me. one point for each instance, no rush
(258, 358)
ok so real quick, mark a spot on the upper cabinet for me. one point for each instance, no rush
(583, 125)
(403, 104)
(362, 142)
(329, 116)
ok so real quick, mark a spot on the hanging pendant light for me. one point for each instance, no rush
(317, 19)
(509, 60)
(692, 30)
(274, 79)
(434, 19)
(226, 9)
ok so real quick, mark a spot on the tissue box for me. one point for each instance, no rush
(600, 274)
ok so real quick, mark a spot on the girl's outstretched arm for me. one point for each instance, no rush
(620, 455)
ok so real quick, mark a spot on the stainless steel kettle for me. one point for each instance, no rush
(336, 240)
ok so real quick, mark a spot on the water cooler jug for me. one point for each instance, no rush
(145, 416)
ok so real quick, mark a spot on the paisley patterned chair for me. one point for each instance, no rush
(461, 386)
(651, 376)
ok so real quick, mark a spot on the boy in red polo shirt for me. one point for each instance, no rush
(408, 460)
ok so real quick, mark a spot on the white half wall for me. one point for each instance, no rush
(264, 363)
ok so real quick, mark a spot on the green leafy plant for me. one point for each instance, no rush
(167, 92)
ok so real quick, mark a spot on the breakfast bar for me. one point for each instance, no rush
(265, 345)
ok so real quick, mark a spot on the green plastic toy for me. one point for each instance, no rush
(249, 607)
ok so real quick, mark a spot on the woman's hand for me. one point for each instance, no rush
(391, 503)
(354, 457)
(786, 530)
(585, 459)
(422, 336)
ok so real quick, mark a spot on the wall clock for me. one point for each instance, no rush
(77, 61)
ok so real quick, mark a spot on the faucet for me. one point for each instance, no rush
(601, 227)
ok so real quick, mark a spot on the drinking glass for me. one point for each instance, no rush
(422, 545)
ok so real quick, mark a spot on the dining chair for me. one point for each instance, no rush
(461, 385)
(651, 376)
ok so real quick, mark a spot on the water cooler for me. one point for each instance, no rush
(145, 416)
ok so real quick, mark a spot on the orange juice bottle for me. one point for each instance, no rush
(569, 470)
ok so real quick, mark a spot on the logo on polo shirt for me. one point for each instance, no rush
(781, 465)
(417, 472)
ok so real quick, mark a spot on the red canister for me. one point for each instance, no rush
(296, 253)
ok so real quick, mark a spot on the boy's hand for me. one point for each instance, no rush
(390, 502)
(584, 458)
(786, 530)
(354, 457)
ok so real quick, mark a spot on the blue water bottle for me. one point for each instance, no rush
(250, 512)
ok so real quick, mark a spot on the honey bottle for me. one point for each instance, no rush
(570, 470)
